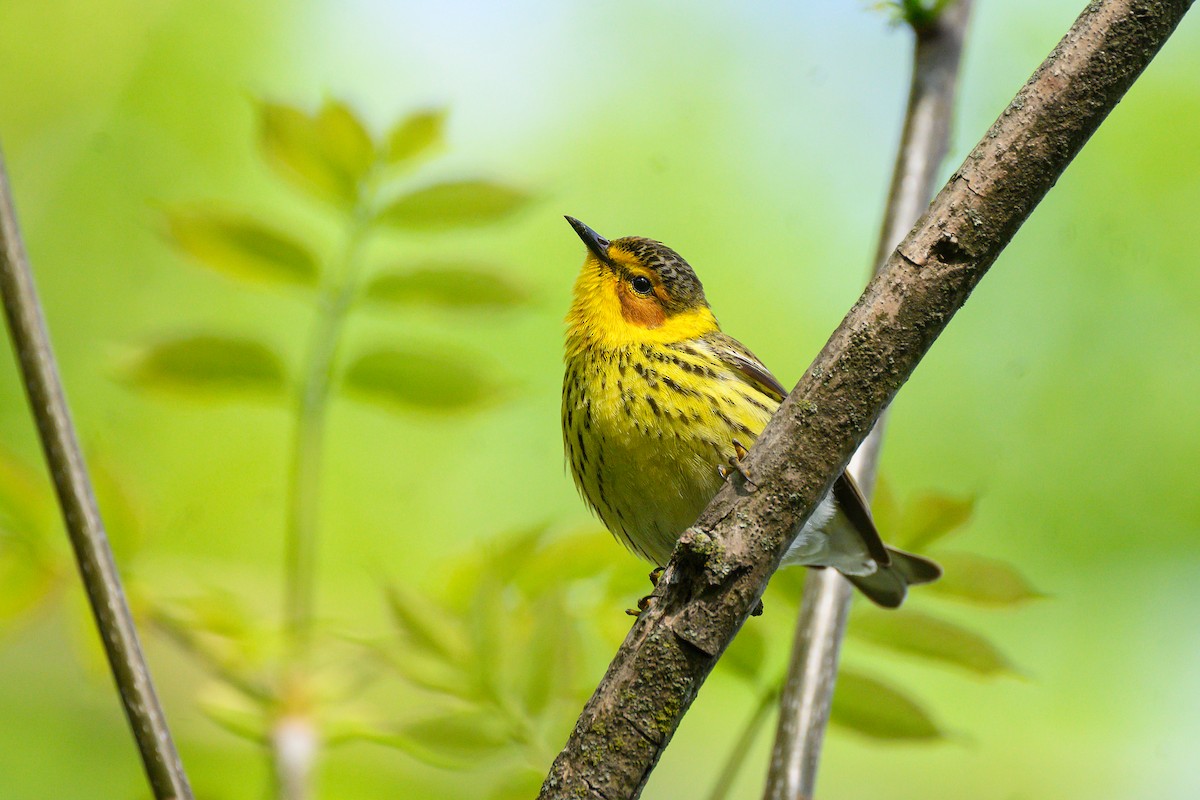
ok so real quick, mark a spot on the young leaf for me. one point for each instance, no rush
(415, 135)
(345, 141)
(929, 637)
(465, 736)
(402, 379)
(423, 625)
(880, 711)
(551, 657)
(453, 205)
(241, 247)
(985, 581)
(210, 364)
(295, 146)
(467, 286)
(930, 518)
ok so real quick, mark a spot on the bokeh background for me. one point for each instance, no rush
(757, 140)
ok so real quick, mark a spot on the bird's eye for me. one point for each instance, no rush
(641, 284)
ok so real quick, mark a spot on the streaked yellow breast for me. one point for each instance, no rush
(645, 426)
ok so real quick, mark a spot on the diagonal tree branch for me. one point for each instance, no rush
(723, 562)
(31, 342)
(808, 689)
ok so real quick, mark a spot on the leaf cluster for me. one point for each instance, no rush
(366, 185)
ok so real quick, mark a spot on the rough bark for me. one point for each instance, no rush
(723, 562)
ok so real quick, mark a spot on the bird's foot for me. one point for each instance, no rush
(643, 604)
(735, 461)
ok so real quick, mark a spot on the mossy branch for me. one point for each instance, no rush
(708, 591)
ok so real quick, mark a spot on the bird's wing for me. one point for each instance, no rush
(845, 491)
(747, 365)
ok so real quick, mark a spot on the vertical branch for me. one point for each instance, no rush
(825, 608)
(308, 444)
(294, 741)
(31, 342)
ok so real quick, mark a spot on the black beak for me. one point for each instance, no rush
(594, 241)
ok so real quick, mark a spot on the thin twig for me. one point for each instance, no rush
(31, 342)
(723, 562)
(825, 608)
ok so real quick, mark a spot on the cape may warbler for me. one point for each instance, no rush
(657, 400)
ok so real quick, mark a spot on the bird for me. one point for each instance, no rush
(658, 402)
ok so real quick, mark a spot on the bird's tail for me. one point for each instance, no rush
(888, 585)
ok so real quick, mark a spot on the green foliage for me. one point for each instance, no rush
(415, 136)
(915, 13)
(452, 205)
(329, 155)
(210, 365)
(879, 710)
(500, 651)
(432, 379)
(870, 706)
(451, 285)
(928, 637)
(241, 247)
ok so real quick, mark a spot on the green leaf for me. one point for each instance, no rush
(344, 139)
(747, 653)
(241, 247)
(453, 205)
(931, 638)
(880, 711)
(416, 135)
(305, 151)
(466, 286)
(210, 364)
(423, 625)
(930, 518)
(551, 657)
(985, 581)
(429, 379)
(466, 736)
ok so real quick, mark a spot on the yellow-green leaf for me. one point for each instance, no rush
(428, 379)
(929, 637)
(424, 625)
(448, 285)
(880, 711)
(986, 581)
(345, 140)
(241, 247)
(551, 656)
(210, 364)
(297, 146)
(453, 205)
(462, 736)
(930, 518)
(416, 135)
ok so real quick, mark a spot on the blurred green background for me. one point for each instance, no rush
(757, 140)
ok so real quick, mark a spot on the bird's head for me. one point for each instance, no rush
(634, 290)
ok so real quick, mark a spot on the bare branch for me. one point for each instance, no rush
(723, 562)
(808, 689)
(31, 342)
